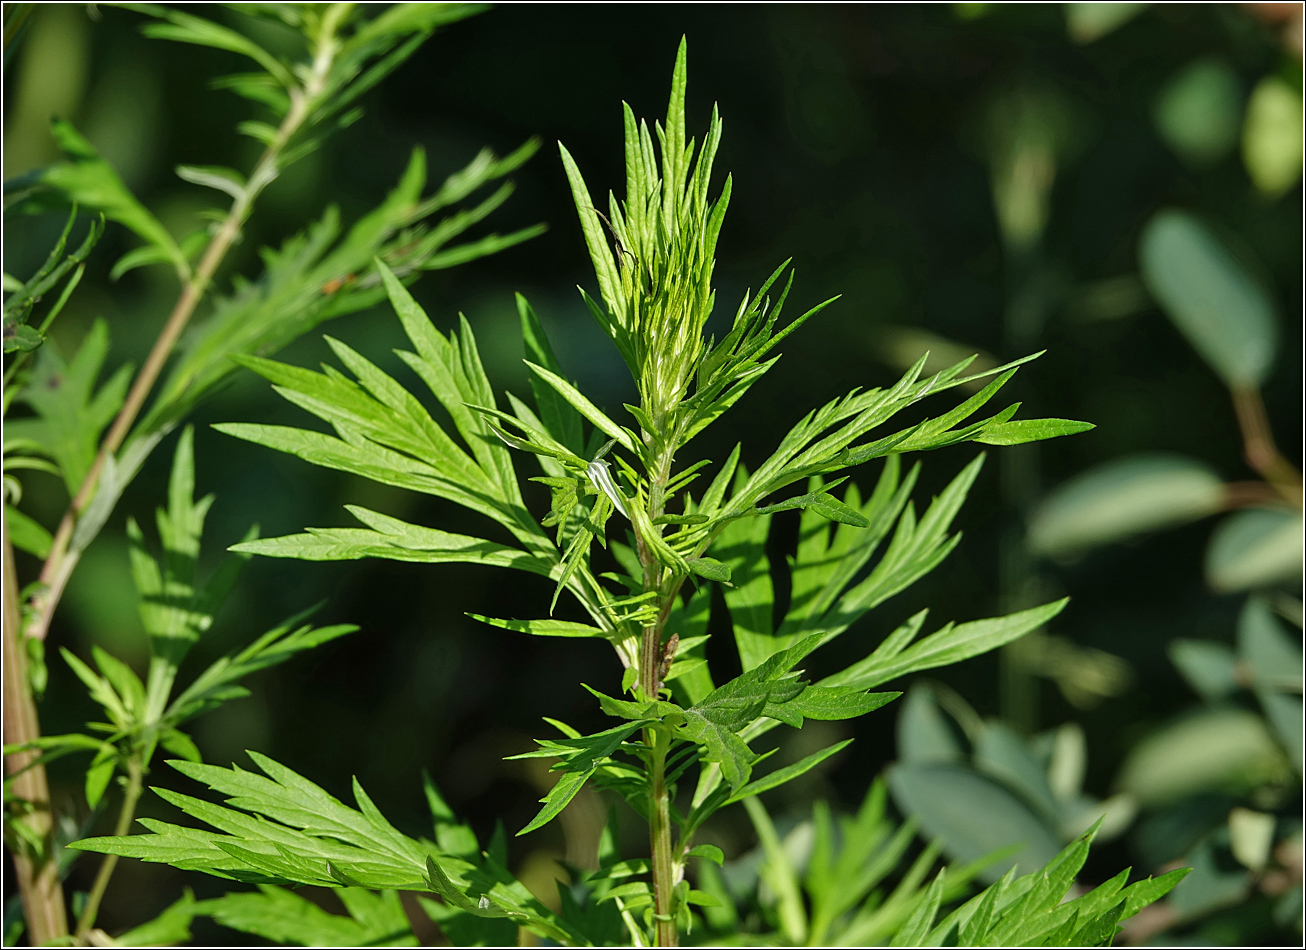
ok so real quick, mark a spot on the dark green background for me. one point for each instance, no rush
(855, 140)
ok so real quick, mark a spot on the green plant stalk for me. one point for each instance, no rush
(659, 835)
(39, 884)
(131, 795)
(61, 562)
(657, 738)
(38, 875)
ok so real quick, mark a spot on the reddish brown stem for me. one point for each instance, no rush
(38, 876)
(1258, 445)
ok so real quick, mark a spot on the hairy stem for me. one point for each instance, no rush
(659, 836)
(657, 737)
(650, 660)
(37, 874)
(125, 815)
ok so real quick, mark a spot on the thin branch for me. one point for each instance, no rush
(125, 815)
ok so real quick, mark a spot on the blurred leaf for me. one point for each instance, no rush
(226, 180)
(1214, 300)
(180, 744)
(1285, 714)
(22, 339)
(1208, 666)
(414, 17)
(326, 271)
(99, 773)
(1263, 644)
(1212, 749)
(26, 533)
(779, 873)
(185, 28)
(1109, 299)
(1214, 882)
(91, 182)
(70, 411)
(973, 814)
(1254, 548)
(902, 346)
(1002, 753)
(1272, 136)
(1067, 762)
(1198, 110)
(1087, 22)
(170, 928)
(1121, 498)
(923, 732)
(1250, 835)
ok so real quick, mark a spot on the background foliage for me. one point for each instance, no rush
(983, 176)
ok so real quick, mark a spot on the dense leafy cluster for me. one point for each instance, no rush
(655, 282)
(682, 747)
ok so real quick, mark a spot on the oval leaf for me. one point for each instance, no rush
(1122, 498)
(973, 814)
(1272, 146)
(1198, 110)
(1254, 549)
(1217, 749)
(1226, 314)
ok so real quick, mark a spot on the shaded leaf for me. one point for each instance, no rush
(1214, 300)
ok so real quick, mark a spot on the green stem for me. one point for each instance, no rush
(125, 815)
(650, 660)
(657, 737)
(659, 834)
